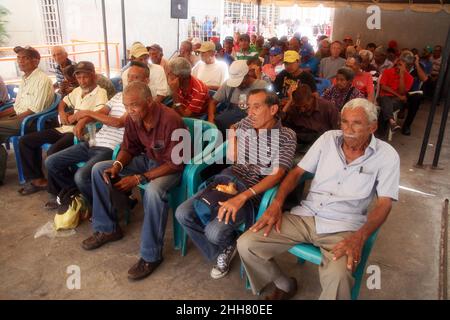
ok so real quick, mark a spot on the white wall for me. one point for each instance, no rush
(24, 28)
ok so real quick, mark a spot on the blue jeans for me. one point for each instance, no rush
(213, 238)
(63, 172)
(155, 202)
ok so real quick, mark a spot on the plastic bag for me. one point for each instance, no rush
(49, 231)
(70, 218)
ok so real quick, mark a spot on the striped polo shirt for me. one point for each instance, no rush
(196, 100)
(259, 153)
(252, 53)
(107, 136)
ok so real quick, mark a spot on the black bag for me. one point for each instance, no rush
(206, 203)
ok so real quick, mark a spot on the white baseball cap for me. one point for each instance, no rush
(238, 70)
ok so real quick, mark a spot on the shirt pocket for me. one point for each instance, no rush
(358, 185)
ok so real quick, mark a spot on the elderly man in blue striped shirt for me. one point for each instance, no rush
(351, 166)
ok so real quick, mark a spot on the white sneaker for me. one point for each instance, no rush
(224, 259)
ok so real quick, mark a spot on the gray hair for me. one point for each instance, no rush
(369, 108)
(142, 89)
(407, 56)
(180, 67)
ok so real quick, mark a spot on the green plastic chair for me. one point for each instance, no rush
(308, 252)
(188, 184)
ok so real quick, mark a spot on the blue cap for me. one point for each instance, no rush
(275, 51)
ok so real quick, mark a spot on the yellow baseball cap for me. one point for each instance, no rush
(207, 46)
(291, 56)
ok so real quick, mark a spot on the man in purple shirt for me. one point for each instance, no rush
(145, 158)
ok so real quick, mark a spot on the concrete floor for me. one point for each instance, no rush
(407, 248)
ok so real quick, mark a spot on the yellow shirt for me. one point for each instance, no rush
(94, 101)
(35, 93)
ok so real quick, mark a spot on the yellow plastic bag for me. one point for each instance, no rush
(71, 218)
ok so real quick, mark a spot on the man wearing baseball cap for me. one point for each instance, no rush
(232, 95)
(88, 96)
(275, 65)
(291, 76)
(35, 94)
(246, 52)
(157, 57)
(158, 80)
(209, 70)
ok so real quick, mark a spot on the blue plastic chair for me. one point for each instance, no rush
(12, 90)
(322, 84)
(308, 252)
(14, 140)
(188, 185)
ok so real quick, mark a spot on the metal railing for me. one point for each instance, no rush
(73, 51)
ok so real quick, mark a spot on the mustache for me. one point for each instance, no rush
(351, 136)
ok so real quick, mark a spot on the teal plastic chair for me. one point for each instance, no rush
(308, 252)
(177, 195)
(14, 140)
(195, 181)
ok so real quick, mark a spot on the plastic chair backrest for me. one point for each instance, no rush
(12, 90)
(322, 84)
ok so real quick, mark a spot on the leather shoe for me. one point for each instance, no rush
(279, 294)
(142, 269)
(100, 238)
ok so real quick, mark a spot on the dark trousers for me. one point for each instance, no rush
(413, 105)
(387, 107)
(228, 117)
(31, 153)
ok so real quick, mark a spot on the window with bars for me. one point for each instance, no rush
(52, 25)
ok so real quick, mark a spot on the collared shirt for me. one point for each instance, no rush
(252, 53)
(329, 66)
(156, 142)
(311, 125)
(338, 96)
(340, 193)
(35, 93)
(58, 71)
(94, 101)
(108, 136)
(157, 80)
(197, 96)
(391, 78)
(259, 153)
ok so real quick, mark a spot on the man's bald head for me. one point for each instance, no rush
(60, 55)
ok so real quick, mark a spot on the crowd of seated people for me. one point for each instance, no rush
(247, 85)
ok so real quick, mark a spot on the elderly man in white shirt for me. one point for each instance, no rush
(351, 167)
(158, 80)
(210, 70)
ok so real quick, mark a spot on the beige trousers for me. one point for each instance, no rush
(257, 253)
